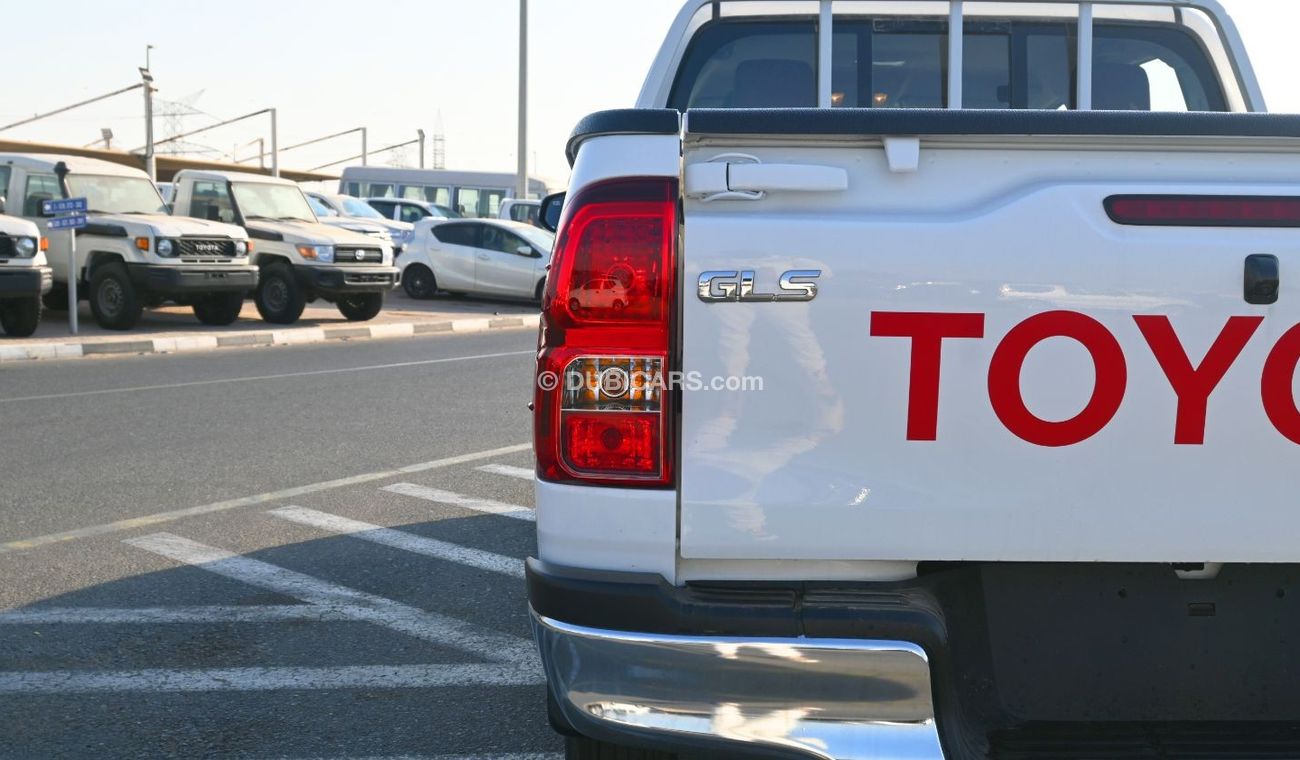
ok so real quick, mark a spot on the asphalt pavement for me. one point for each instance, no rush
(293, 552)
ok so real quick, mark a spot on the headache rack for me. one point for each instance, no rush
(1227, 33)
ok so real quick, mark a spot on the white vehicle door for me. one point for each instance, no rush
(500, 268)
(453, 255)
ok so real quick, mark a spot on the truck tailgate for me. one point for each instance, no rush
(987, 264)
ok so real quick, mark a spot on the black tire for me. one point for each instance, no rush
(419, 282)
(582, 748)
(219, 309)
(541, 288)
(56, 299)
(20, 316)
(361, 307)
(278, 297)
(113, 299)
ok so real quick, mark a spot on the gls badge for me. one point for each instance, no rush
(722, 286)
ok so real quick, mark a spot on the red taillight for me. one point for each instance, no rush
(602, 416)
(1204, 211)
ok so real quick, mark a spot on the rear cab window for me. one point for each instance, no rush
(900, 62)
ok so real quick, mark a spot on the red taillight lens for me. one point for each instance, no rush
(607, 326)
(1204, 211)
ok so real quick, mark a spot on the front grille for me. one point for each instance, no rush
(367, 279)
(6, 246)
(1149, 741)
(207, 248)
(358, 256)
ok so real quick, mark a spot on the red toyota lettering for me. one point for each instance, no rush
(927, 331)
(1009, 359)
(1278, 383)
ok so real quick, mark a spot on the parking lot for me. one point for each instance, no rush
(296, 552)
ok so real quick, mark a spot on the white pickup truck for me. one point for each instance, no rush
(950, 408)
(132, 254)
(299, 258)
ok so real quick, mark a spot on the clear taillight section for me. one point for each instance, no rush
(602, 412)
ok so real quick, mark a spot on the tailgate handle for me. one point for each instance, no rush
(1263, 282)
(737, 176)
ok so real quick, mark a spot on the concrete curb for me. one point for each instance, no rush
(15, 352)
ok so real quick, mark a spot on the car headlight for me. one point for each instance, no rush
(26, 247)
(165, 248)
(404, 236)
(241, 248)
(321, 253)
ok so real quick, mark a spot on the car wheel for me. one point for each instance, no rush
(541, 289)
(56, 300)
(113, 300)
(219, 309)
(361, 307)
(419, 282)
(582, 748)
(279, 299)
(619, 306)
(20, 316)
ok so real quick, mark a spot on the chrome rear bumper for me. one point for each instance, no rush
(822, 698)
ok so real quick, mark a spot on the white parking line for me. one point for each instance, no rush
(262, 613)
(260, 378)
(523, 473)
(428, 547)
(249, 501)
(357, 605)
(439, 496)
(269, 679)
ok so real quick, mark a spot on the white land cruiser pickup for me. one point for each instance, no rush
(299, 258)
(132, 254)
(24, 277)
(982, 439)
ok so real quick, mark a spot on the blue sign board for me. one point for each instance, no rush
(75, 222)
(65, 206)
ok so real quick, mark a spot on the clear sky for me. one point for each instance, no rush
(391, 65)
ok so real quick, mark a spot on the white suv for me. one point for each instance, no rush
(24, 277)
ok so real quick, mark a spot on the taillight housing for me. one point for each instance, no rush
(603, 412)
(1204, 210)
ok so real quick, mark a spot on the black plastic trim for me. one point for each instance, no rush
(625, 121)
(103, 230)
(930, 121)
(257, 234)
(26, 282)
(180, 280)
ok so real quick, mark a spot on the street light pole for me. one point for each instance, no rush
(420, 132)
(275, 145)
(521, 186)
(150, 164)
(365, 150)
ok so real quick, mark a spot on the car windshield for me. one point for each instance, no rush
(264, 200)
(318, 206)
(539, 237)
(117, 195)
(359, 208)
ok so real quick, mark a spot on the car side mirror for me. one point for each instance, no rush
(548, 216)
(526, 250)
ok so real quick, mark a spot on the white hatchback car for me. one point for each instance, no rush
(490, 257)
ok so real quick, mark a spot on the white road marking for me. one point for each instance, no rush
(428, 547)
(260, 378)
(523, 473)
(269, 679)
(251, 501)
(357, 605)
(439, 496)
(261, 613)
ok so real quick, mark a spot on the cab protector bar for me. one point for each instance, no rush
(1228, 35)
